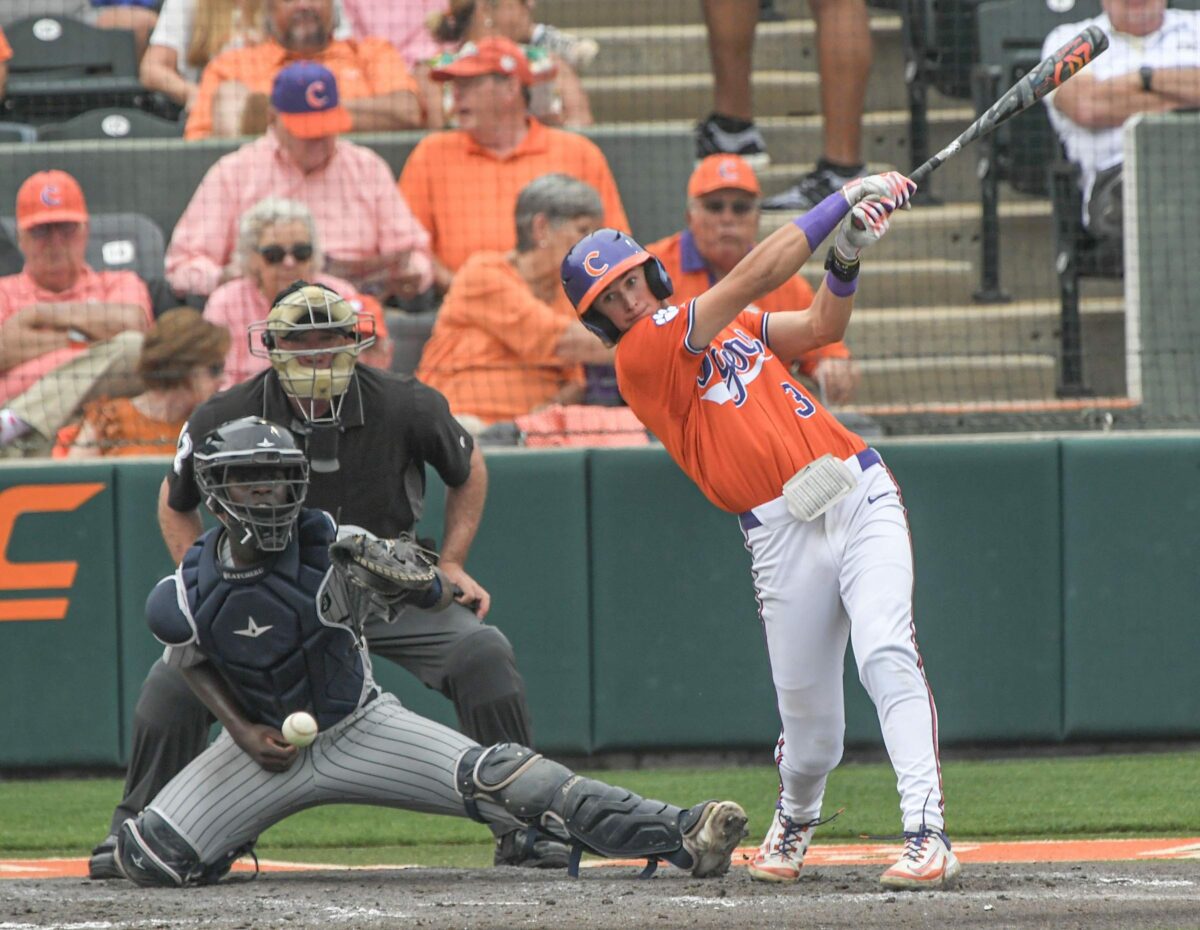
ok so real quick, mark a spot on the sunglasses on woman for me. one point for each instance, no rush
(274, 254)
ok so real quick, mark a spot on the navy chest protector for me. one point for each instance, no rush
(263, 630)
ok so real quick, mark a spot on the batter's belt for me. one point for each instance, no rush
(773, 510)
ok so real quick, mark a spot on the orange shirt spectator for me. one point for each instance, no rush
(463, 184)
(366, 69)
(5, 55)
(493, 347)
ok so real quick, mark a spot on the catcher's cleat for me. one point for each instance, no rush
(530, 848)
(926, 862)
(103, 861)
(711, 840)
(781, 855)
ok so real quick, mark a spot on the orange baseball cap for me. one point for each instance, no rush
(50, 197)
(305, 95)
(723, 172)
(491, 55)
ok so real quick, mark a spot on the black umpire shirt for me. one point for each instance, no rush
(390, 427)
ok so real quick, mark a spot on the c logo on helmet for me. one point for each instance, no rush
(592, 269)
(315, 96)
(50, 196)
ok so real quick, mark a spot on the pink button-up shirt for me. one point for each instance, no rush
(358, 210)
(18, 291)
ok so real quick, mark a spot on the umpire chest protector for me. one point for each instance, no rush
(264, 631)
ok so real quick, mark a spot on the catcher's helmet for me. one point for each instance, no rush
(302, 308)
(595, 262)
(246, 453)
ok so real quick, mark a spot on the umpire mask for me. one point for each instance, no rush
(312, 337)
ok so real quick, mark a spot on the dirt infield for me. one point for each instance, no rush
(1124, 894)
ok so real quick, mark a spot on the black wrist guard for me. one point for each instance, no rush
(843, 271)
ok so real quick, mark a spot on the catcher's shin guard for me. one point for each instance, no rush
(599, 817)
(150, 852)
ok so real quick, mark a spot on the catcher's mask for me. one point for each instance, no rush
(595, 262)
(237, 458)
(312, 337)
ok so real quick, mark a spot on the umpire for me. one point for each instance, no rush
(368, 435)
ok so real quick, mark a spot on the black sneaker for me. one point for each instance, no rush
(103, 862)
(810, 190)
(711, 139)
(530, 848)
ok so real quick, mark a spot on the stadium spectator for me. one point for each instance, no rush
(378, 91)
(506, 341)
(68, 334)
(369, 234)
(402, 24)
(180, 367)
(557, 98)
(5, 55)
(189, 34)
(722, 226)
(1152, 64)
(462, 184)
(843, 63)
(278, 244)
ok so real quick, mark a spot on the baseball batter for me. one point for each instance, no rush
(265, 617)
(821, 515)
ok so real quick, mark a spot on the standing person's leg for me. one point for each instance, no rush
(170, 729)
(806, 632)
(871, 529)
(730, 127)
(384, 754)
(472, 664)
(844, 54)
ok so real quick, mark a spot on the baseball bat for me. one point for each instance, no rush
(1050, 73)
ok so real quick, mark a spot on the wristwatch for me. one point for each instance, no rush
(843, 271)
(1147, 75)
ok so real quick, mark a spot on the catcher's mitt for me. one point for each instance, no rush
(396, 570)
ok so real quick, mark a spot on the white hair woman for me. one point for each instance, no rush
(278, 244)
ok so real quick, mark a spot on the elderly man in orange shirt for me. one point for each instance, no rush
(463, 184)
(381, 95)
(369, 234)
(68, 334)
(722, 226)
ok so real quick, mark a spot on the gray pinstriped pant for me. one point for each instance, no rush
(382, 754)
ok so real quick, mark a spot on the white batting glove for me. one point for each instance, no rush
(892, 188)
(873, 215)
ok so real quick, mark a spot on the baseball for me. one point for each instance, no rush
(299, 728)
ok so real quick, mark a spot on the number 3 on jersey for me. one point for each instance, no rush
(804, 406)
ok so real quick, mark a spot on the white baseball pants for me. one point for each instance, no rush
(846, 575)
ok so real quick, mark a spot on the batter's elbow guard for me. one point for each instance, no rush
(151, 853)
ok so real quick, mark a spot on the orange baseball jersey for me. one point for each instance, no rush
(363, 68)
(5, 48)
(691, 278)
(732, 416)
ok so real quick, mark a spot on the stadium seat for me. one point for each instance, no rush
(111, 123)
(61, 67)
(17, 132)
(409, 332)
(119, 242)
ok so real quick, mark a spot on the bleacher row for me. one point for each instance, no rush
(974, 305)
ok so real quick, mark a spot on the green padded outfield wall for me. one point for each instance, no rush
(1132, 607)
(58, 638)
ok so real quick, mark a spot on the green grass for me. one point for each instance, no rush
(1134, 795)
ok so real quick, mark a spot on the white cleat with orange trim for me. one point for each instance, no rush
(781, 855)
(926, 862)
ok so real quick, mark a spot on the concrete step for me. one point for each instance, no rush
(641, 98)
(578, 14)
(955, 379)
(678, 49)
(1023, 328)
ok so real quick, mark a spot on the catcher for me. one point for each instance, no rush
(264, 618)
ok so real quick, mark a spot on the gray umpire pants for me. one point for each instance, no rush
(449, 650)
